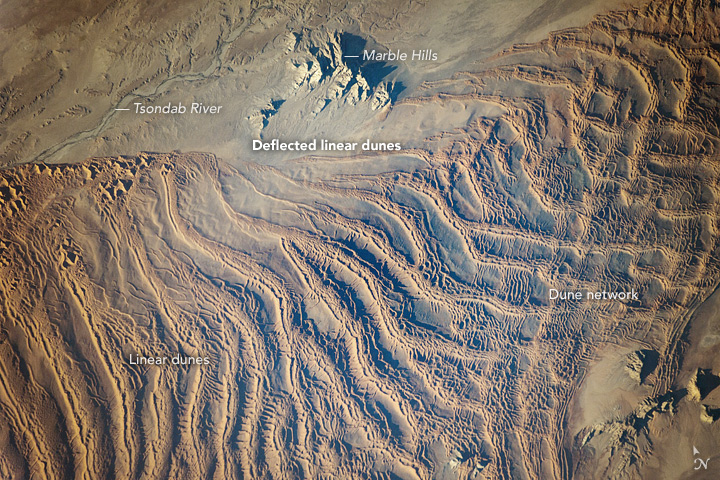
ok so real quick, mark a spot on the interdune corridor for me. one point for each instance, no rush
(387, 315)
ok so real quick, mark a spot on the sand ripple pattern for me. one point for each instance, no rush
(367, 321)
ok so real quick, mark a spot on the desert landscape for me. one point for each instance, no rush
(177, 305)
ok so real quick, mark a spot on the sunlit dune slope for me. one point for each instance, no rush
(377, 316)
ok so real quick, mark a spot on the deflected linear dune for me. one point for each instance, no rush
(388, 316)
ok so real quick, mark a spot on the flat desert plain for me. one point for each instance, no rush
(177, 305)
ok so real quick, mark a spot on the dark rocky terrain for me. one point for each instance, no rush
(385, 315)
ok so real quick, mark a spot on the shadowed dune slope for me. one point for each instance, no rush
(382, 317)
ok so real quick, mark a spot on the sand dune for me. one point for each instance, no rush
(388, 315)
